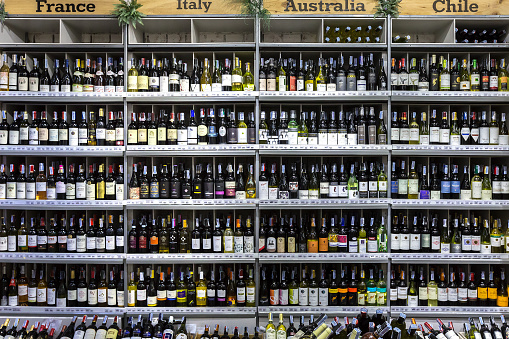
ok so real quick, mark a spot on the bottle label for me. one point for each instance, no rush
(484, 135)
(442, 294)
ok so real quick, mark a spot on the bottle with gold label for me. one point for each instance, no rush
(206, 78)
(250, 184)
(312, 238)
(361, 289)
(100, 184)
(281, 329)
(248, 78)
(132, 77)
(486, 192)
(464, 77)
(237, 76)
(270, 329)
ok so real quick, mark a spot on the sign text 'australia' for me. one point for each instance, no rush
(321, 6)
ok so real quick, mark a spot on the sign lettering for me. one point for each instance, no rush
(44, 7)
(183, 4)
(346, 6)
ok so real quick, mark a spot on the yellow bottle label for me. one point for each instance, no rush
(323, 245)
(492, 293)
(502, 301)
(312, 246)
(143, 82)
(482, 293)
(132, 82)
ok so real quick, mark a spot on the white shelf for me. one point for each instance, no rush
(324, 96)
(111, 258)
(195, 311)
(447, 257)
(336, 310)
(450, 204)
(323, 257)
(434, 150)
(36, 150)
(142, 258)
(207, 150)
(324, 149)
(448, 311)
(61, 311)
(449, 96)
(191, 203)
(324, 203)
(62, 97)
(191, 96)
(61, 204)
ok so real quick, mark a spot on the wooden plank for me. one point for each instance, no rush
(320, 7)
(104, 7)
(455, 7)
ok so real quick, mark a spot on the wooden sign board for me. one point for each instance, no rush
(320, 7)
(105, 7)
(454, 7)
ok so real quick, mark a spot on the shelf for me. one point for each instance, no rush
(61, 204)
(325, 150)
(446, 46)
(189, 204)
(324, 96)
(323, 257)
(88, 151)
(82, 258)
(449, 96)
(435, 150)
(448, 311)
(323, 46)
(206, 150)
(142, 258)
(192, 47)
(143, 97)
(238, 312)
(64, 47)
(450, 204)
(61, 97)
(325, 203)
(306, 310)
(447, 257)
(61, 311)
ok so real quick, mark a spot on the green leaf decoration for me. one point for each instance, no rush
(254, 9)
(3, 12)
(127, 13)
(387, 7)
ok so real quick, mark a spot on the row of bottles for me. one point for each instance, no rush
(345, 34)
(77, 238)
(36, 130)
(61, 186)
(87, 76)
(456, 234)
(232, 287)
(174, 235)
(357, 127)
(418, 287)
(336, 286)
(167, 129)
(203, 185)
(50, 286)
(47, 329)
(328, 234)
(323, 75)
(455, 75)
(365, 180)
(467, 129)
(444, 182)
(158, 76)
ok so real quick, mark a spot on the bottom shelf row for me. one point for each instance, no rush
(372, 325)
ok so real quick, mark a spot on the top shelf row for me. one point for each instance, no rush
(240, 32)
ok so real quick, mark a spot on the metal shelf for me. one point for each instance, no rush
(187, 204)
(88, 151)
(306, 310)
(75, 258)
(435, 150)
(323, 257)
(143, 258)
(364, 96)
(325, 203)
(61, 97)
(223, 46)
(92, 47)
(449, 96)
(238, 312)
(446, 46)
(314, 46)
(145, 97)
(325, 150)
(207, 150)
(61, 311)
(447, 257)
(61, 204)
(450, 204)
(448, 311)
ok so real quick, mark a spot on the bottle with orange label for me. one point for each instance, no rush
(482, 291)
(323, 237)
(502, 295)
(313, 238)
